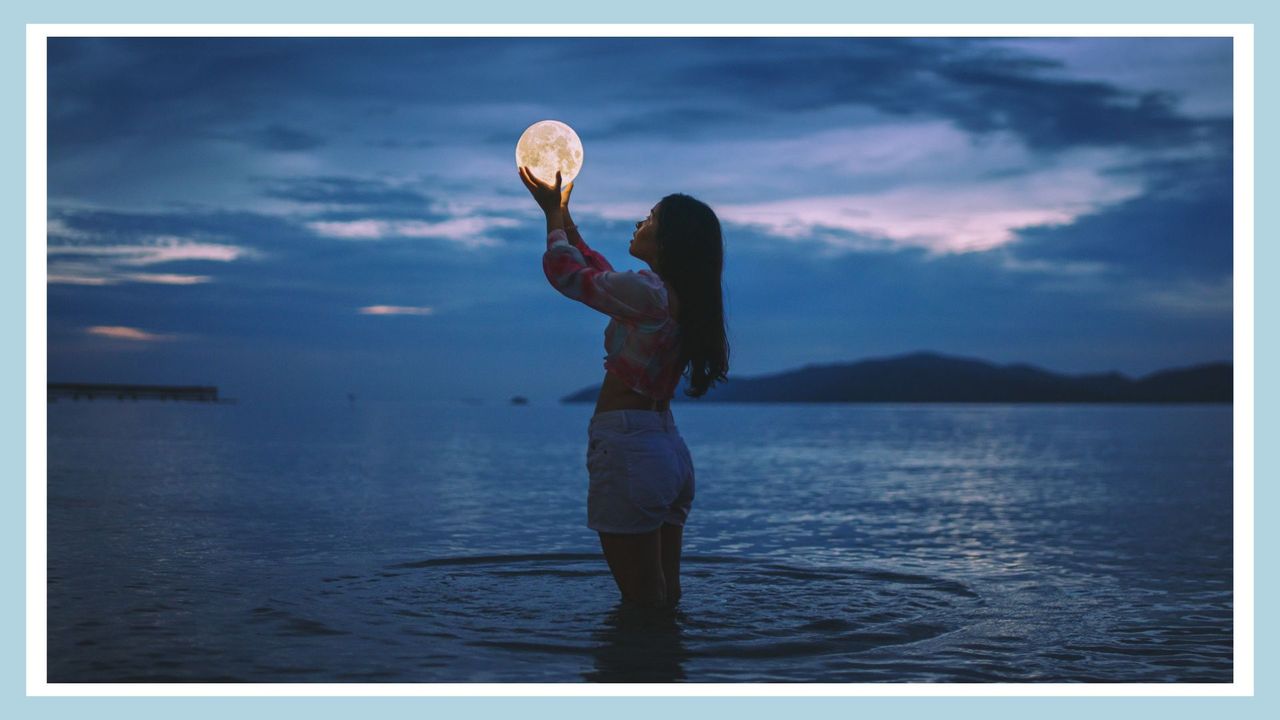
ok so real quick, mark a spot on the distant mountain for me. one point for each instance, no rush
(930, 377)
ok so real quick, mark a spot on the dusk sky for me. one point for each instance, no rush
(284, 217)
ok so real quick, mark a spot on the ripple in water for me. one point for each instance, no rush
(556, 618)
(500, 618)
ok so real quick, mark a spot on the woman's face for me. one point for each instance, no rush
(644, 243)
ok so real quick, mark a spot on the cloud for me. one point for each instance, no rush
(959, 209)
(121, 332)
(166, 278)
(465, 231)
(1051, 113)
(974, 217)
(1058, 267)
(1162, 236)
(1195, 71)
(79, 273)
(395, 310)
(352, 230)
(69, 276)
(86, 263)
(982, 87)
(57, 227)
(292, 274)
(334, 191)
(160, 249)
(1189, 298)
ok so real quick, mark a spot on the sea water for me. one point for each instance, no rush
(388, 542)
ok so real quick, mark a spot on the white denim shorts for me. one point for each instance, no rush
(640, 472)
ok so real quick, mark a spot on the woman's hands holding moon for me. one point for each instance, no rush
(549, 198)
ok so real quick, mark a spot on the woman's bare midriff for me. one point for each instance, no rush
(615, 395)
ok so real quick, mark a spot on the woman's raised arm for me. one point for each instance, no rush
(632, 297)
(593, 258)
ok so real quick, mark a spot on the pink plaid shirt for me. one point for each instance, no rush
(641, 342)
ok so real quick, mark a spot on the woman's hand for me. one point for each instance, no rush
(564, 196)
(550, 199)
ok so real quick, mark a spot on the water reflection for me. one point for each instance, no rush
(858, 544)
(639, 644)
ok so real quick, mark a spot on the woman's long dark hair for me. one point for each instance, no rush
(691, 258)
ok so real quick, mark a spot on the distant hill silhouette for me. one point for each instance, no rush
(931, 377)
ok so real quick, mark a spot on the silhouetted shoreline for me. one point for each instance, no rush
(109, 391)
(933, 378)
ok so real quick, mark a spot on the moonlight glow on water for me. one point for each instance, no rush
(548, 146)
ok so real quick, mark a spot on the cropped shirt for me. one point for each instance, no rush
(641, 341)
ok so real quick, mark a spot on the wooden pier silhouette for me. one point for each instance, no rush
(90, 391)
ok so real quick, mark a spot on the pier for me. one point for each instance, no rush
(91, 391)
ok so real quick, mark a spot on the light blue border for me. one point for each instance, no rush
(13, 703)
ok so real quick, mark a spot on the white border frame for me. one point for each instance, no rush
(37, 359)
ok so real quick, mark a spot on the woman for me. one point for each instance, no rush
(667, 322)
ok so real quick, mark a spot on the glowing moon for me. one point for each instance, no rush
(548, 146)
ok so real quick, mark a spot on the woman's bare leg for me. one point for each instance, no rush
(636, 561)
(671, 537)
